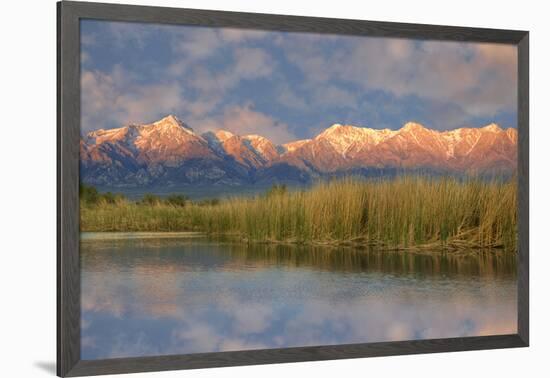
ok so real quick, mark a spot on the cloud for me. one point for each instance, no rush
(251, 63)
(84, 57)
(136, 344)
(131, 34)
(289, 98)
(200, 336)
(243, 120)
(196, 45)
(481, 78)
(193, 45)
(334, 96)
(241, 35)
(212, 86)
(116, 98)
(207, 75)
(121, 301)
(199, 43)
(88, 39)
(254, 318)
(246, 64)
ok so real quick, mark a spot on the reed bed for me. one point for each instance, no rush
(402, 213)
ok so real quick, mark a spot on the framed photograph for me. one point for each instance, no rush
(239, 189)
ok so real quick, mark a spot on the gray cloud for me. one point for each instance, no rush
(289, 98)
(481, 78)
(329, 75)
(113, 99)
(247, 64)
(197, 45)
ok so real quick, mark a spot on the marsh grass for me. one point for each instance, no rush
(401, 213)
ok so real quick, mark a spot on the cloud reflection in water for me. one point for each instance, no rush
(155, 297)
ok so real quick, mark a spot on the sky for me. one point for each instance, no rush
(288, 86)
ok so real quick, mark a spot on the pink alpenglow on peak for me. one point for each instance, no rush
(170, 151)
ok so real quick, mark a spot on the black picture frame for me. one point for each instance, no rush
(70, 13)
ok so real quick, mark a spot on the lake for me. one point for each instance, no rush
(146, 294)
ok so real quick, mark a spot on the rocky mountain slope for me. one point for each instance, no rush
(168, 152)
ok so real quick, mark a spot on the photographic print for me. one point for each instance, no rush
(247, 189)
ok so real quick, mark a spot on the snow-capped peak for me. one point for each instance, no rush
(172, 121)
(337, 129)
(261, 145)
(493, 127)
(223, 135)
(345, 137)
(169, 142)
(292, 146)
(110, 135)
(170, 118)
(335, 126)
(253, 137)
(412, 126)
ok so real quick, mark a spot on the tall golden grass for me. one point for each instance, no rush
(401, 213)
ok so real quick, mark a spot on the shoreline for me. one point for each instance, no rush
(125, 235)
(234, 238)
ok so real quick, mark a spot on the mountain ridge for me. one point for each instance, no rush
(170, 152)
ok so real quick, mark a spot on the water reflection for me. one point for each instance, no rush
(169, 295)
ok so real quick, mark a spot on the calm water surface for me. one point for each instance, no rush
(145, 295)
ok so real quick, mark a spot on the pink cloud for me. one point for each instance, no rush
(115, 99)
(202, 43)
(239, 35)
(243, 120)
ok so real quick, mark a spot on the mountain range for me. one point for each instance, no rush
(169, 153)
